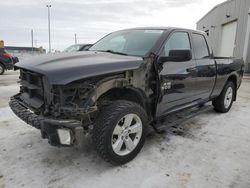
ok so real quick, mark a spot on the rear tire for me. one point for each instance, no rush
(224, 102)
(119, 131)
(1, 69)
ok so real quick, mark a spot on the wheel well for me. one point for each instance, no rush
(124, 94)
(233, 79)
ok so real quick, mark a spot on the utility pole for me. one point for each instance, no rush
(49, 6)
(75, 39)
(32, 43)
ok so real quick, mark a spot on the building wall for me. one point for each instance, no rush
(224, 13)
(246, 53)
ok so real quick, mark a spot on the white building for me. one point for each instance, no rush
(228, 28)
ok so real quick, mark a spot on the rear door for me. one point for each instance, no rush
(205, 66)
(177, 79)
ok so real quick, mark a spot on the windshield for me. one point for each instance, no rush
(129, 42)
(73, 48)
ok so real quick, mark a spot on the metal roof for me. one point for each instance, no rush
(217, 6)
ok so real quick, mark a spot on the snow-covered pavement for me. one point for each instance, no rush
(213, 152)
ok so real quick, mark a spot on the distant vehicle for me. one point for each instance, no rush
(126, 82)
(78, 47)
(7, 61)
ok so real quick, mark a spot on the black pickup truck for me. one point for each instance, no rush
(128, 81)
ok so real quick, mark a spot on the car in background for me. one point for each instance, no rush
(7, 61)
(78, 47)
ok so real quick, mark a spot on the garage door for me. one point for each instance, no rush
(228, 39)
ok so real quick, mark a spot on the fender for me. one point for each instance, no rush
(103, 86)
(117, 82)
(225, 74)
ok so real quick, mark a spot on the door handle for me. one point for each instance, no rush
(192, 69)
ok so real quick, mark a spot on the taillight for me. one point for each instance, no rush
(7, 55)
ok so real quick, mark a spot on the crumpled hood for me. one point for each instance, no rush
(63, 68)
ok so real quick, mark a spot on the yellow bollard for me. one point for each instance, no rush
(1, 44)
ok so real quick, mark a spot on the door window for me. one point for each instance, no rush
(177, 41)
(200, 46)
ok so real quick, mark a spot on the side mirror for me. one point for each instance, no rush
(177, 56)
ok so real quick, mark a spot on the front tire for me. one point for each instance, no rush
(119, 131)
(1, 69)
(224, 102)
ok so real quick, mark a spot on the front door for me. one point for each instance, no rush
(177, 79)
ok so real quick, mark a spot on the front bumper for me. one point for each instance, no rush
(49, 127)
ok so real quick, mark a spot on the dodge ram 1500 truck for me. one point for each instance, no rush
(126, 82)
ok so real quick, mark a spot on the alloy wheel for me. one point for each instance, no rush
(228, 97)
(127, 134)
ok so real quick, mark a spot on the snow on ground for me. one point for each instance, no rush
(212, 153)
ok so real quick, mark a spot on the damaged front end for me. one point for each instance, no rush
(63, 113)
(50, 128)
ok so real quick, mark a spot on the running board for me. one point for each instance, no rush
(175, 119)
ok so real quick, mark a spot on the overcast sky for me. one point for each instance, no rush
(91, 19)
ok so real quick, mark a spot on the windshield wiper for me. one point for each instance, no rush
(113, 52)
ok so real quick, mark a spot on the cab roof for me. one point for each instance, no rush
(163, 28)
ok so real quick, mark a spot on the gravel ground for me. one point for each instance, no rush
(213, 152)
